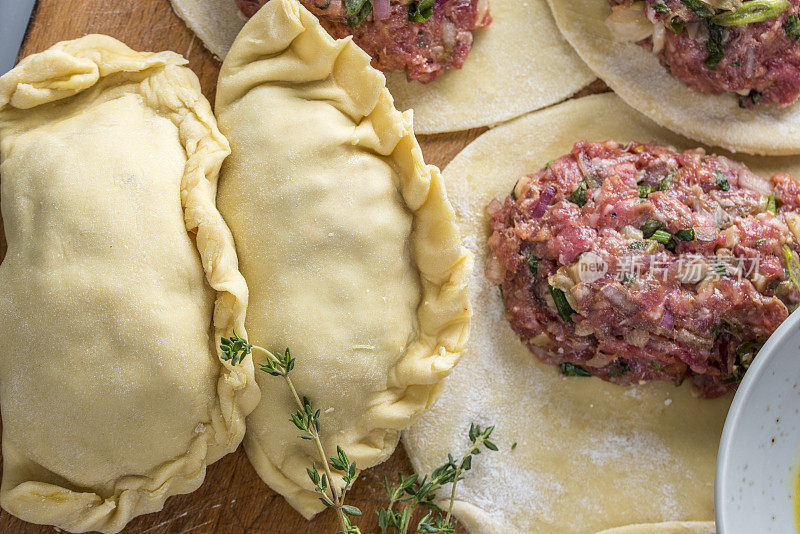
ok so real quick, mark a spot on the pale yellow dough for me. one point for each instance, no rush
(637, 77)
(675, 527)
(590, 455)
(346, 239)
(112, 393)
(518, 64)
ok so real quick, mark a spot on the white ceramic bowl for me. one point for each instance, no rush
(760, 447)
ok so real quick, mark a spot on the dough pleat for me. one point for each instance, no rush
(98, 84)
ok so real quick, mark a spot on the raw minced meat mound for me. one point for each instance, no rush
(636, 262)
(424, 49)
(718, 46)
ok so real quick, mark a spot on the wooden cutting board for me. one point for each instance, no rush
(233, 498)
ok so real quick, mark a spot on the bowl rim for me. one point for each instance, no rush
(733, 419)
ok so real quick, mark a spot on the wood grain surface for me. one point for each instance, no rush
(233, 499)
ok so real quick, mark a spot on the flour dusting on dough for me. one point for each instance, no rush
(590, 455)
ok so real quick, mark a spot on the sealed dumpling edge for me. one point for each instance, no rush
(517, 64)
(286, 74)
(32, 488)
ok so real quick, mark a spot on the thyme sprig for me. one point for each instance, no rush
(306, 419)
(411, 492)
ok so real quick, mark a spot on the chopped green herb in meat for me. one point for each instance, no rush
(745, 354)
(700, 8)
(648, 247)
(570, 369)
(772, 204)
(722, 182)
(664, 238)
(792, 265)
(650, 227)
(715, 46)
(619, 369)
(420, 11)
(533, 263)
(792, 27)
(661, 8)
(677, 24)
(565, 311)
(664, 184)
(357, 11)
(579, 195)
(751, 12)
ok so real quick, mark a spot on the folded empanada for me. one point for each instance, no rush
(346, 239)
(113, 395)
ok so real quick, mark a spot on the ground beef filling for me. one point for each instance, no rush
(636, 263)
(760, 61)
(424, 50)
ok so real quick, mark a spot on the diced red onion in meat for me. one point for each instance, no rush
(380, 9)
(754, 182)
(667, 320)
(544, 200)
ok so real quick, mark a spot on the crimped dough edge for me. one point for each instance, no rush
(510, 84)
(65, 70)
(444, 265)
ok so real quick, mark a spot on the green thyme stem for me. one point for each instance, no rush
(337, 500)
(414, 490)
(405, 526)
(475, 446)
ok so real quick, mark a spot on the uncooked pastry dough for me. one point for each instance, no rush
(590, 455)
(518, 64)
(679, 527)
(346, 239)
(636, 75)
(112, 394)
